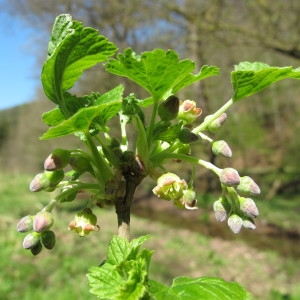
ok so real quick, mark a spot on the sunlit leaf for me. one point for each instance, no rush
(160, 72)
(105, 107)
(250, 78)
(124, 274)
(205, 288)
(71, 50)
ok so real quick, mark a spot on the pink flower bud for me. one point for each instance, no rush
(248, 207)
(229, 177)
(31, 240)
(25, 224)
(217, 123)
(247, 187)
(221, 148)
(57, 160)
(42, 221)
(235, 223)
(249, 224)
(220, 210)
(46, 181)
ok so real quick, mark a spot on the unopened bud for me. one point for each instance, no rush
(220, 209)
(57, 160)
(248, 207)
(31, 240)
(188, 112)
(84, 222)
(42, 221)
(247, 187)
(36, 249)
(188, 199)
(235, 223)
(46, 181)
(229, 177)
(168, 109)
(170, 187)
(221, 148)
(48, 239)
(249, 224)
(186, 136)
(25, 224)
(217, 123)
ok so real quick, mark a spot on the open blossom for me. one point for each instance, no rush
(84, 222)
(170, 187)
(188, 112)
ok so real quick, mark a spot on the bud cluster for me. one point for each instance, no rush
(239, 209)
(38, 232)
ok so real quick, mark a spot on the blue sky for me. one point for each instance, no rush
(19, 75)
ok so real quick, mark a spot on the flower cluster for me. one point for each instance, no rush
(235, 204)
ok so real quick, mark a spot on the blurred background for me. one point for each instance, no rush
(261, 131)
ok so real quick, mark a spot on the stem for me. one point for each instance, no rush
(123, 205)
(207, 121)
(160, 157)
(152, 123)
(103, 171)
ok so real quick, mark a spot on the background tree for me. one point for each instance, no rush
(220, 32)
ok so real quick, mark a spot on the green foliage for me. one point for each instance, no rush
(250, 78)
(204, 287)
(124, 275)
(159, 72)
(116, 168)
(72, 49)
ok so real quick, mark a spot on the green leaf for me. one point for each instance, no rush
(106, 106)
(205, 288)
(124, 275)
(206, 71)
(105, 281)
(160, 72)
(120, 249)
(53, 117)
(164, 132)
(250, 78)
(71, 50)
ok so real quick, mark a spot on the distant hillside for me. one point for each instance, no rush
(20, 129)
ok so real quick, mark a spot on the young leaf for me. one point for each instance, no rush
(71, 50)
(124, 275)
(105, 281)
(120, 249)
(199, 288)
(160, 72)
(250, 78)
(82, 120)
